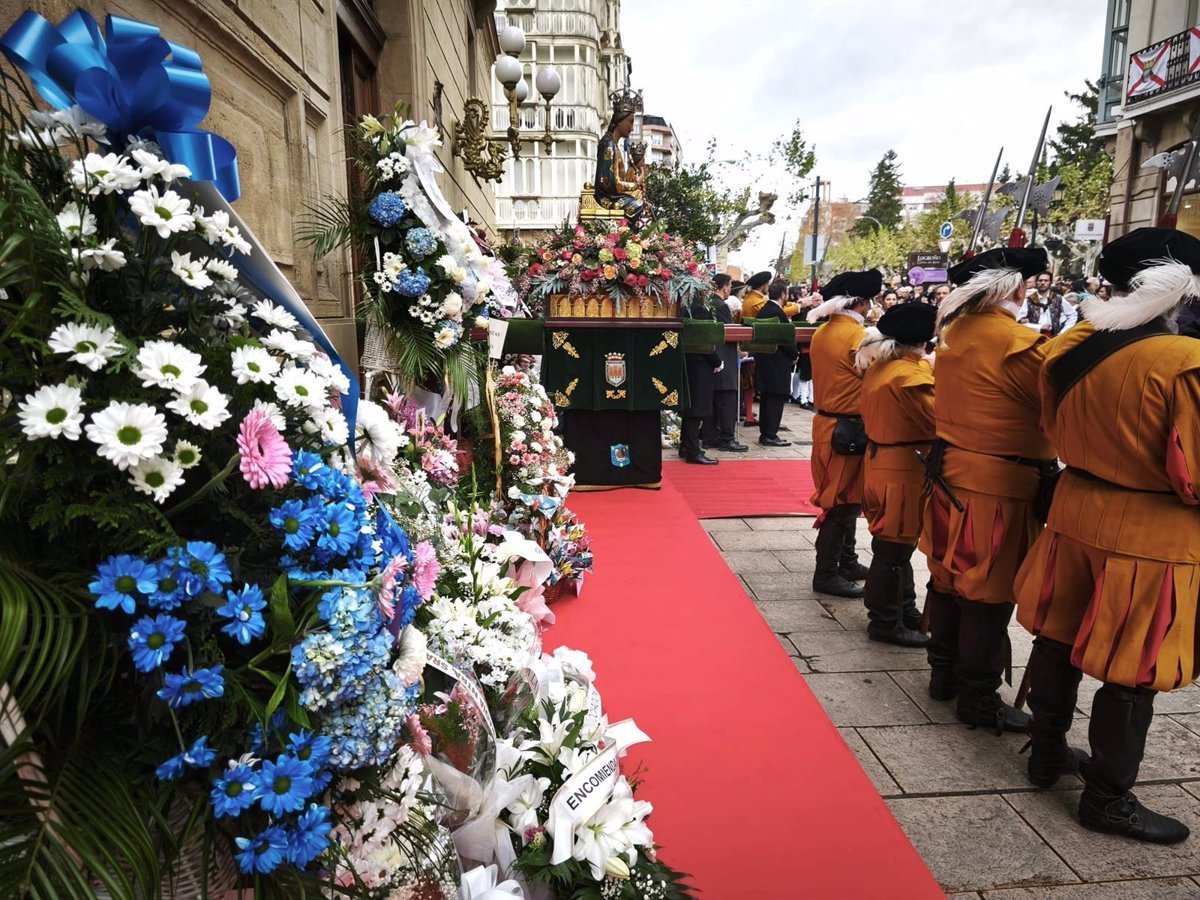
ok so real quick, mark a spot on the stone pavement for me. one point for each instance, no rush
(960, 795)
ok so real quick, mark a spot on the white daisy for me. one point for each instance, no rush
(253, 364)
(157, 476)
(191, 273)
(273, 315)
(168, 365)
(89, 345)
(331, 425)
(217, 230)
(106, 174)
(288, 344)
(300, 387)
(325, 368)
(375, 434)
(220, 269)
(127, 432)
(167, 213)
(273, 413)
(444, 337)
(202, 405)
(76, 221)
(155, 166)
(103, 257)
(52, 411)
(234, 315)
(186, 454)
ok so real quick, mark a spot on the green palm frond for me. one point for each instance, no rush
(326, 226)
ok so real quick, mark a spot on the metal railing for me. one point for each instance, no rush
(1177, 75)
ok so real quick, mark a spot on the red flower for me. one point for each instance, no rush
(536, 269)
(662, 254)
(665, 274)
(566, 254)
(631, 280)
(619, 253)
(691, 267)
(642, 281)
(587, 274)
(623, 223)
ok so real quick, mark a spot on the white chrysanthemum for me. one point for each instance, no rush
(217, 230)
(103, 257)
(300, 387)
(234, 315)
(192, 273)
(275, 316)
(325, 368)
(156, 167)
(253, 364)
(52, 411)
(105, 174)
(444, 337)
(375, 434)
(202, 405)
(127, 432)
(76, 221)
(274, 414)
(221, 269)
(89, 345)
(168, 365)
(157, 476)
(167, 213)
(452, 306)
(186, 454)
(288, 344)
(330, 425)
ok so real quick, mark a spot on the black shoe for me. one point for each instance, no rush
(942, 687)
(797, 401)
(914, 622)
(732, 447)
(855, 572)
(1127, 817)
(784, 428)
(774, 442)
(702, 459)
(807, 405)
(1045, 768)
(900, 636)
(993, 713)
(837, 586)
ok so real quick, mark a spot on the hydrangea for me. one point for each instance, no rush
(332, 671)
(367, 733)
(388, 209)
(420, 242)
(412, 283)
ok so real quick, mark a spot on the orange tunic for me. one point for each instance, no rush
(988, 406)
(897, 408)
(836, 389)
(1116, 574)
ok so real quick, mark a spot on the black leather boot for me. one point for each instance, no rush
(1120, 719)
(911, 616)
(884, 596)
(831, 539)
(848, 565)
(1053, 688)
(943, 615)
(983, 654)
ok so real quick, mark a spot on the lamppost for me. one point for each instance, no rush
(878, 224)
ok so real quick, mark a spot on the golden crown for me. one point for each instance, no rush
(625, 103)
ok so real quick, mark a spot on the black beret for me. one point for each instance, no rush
(1132, 253)
(908, 323)
(759, 280)
(854, 284)
(1029, 261)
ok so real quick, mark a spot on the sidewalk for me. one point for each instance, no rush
(960, 795)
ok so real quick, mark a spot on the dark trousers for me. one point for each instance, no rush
(770, 414)
(689, 436)
(718, 428)
(836, 541)
(887, 591)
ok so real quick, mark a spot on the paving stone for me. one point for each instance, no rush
(1022, 643)
(1101, 857)
(778, 585)
(863, 699)
(743, 540)
(1172, 752)
(798, 525)
(801, 560)
(1186, 700)
(1152, 889)
(851, 651)
(976, 842)
(797, 615)
(884, 783)
(723, 525)
(787, 645)
(746, 561)
(850, 613)
(942, 759)
(916, 685)
(803, 667)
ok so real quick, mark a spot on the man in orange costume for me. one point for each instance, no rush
(897, 408)
(982, 516)
(1110, 588)
(837, 388)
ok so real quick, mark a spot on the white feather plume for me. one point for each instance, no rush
(991, 287)
(830, 306)
(877, 347)
(1155, 291)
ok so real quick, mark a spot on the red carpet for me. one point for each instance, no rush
(737, 488)
(754, 791)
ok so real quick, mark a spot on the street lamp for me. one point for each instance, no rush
(878, 224)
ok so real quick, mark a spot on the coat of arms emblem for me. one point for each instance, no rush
(614, 369)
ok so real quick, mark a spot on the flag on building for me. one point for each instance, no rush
(1193, 50)
(1148, 70)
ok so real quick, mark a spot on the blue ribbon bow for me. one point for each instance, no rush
(130, 78)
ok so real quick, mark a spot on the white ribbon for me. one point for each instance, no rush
(480, 884)
(485, 836)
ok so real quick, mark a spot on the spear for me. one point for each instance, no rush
(987, 196)
(1170, 218)
(1017, 238)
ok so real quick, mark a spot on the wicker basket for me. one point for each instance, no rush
(601, 306)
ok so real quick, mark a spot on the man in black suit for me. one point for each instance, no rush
(701, 371)
(717, 431)
(773, 372)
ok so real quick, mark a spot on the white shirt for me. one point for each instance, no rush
(1039, 318)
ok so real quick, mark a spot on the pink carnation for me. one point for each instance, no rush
(266, 457)
(426, 569)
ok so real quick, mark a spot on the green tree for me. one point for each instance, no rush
(794, 158)
(950, 203)
(686, 202)
(880, 248)
(1005, 175)
(1076, 143)
(883, 196)
(1080, 160)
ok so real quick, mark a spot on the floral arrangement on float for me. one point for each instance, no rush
(609, 271)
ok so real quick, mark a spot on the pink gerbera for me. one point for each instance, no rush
(425, 570)
(418, 736)
(387, 586)
(266, 457)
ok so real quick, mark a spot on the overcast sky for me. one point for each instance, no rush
(943, 82)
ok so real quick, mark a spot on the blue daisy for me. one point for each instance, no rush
(337, 531)
(198, 756)
(187, 687)
(204, 569)
(234, 792)
(152, 640)
(284, 785)
(263, 852)
(388, 209)
(244, 610)
(308, 469)
(296, 522)
(168, 594)
(311, 749)
(310, 837)
(122, 581)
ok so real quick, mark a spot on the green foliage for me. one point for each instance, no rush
(883, 196)
(1079, 158)
(793, 157)
(686, 202)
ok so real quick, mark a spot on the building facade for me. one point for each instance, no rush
(581, 39)
(288, 75)
(1149, 102)
(662, 144)
(915, 201)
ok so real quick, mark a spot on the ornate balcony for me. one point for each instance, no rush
(1163, 67)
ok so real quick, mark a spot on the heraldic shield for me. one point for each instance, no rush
(614, 369)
